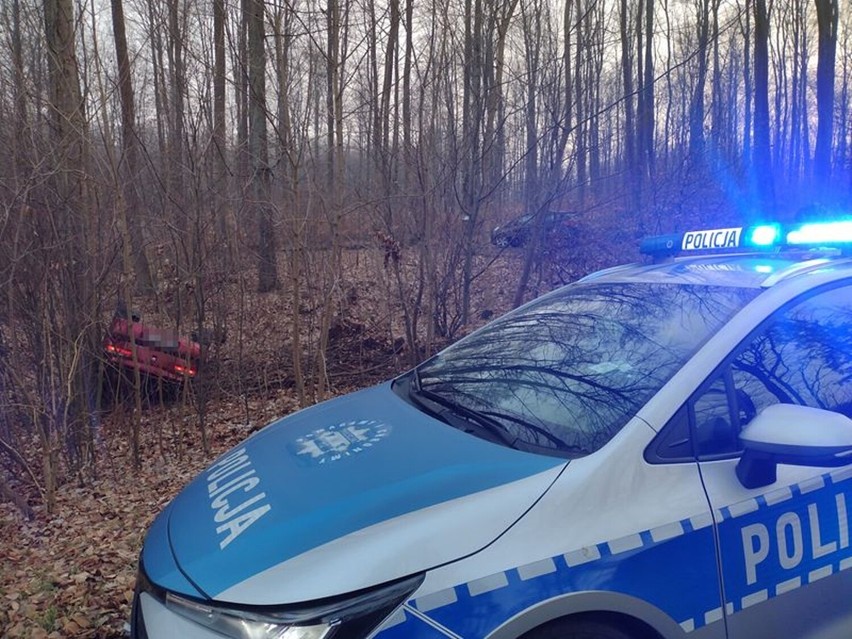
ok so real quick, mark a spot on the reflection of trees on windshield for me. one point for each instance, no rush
(804, 357)
(568, 371)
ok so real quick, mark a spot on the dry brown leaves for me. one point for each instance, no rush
(72, 574)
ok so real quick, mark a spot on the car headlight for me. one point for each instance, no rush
(241, 624)
(349, 617)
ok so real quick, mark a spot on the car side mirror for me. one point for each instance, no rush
(790, 434)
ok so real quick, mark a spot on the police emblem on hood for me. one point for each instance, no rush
(334, 443)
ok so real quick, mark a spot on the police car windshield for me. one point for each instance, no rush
(564, 374)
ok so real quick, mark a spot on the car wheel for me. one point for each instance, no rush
(578, 629)
(501, 242)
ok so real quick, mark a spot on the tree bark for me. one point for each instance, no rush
(629, 117)
(748, 88)
(827, 15)
(176, 152)
(267, 266)
(73, 234)
(219, 152)
(648, 116)
(696, 110)
(130, 145)
(762, 156)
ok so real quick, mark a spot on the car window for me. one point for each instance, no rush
(565, 373)
(803, 355)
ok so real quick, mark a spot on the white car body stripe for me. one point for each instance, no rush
(537, 569)
(778, 496)
(436, 600)
(787, 586)
(487, 584)
(426, 619)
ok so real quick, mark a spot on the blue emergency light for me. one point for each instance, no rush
(829, 234)
(763, 235)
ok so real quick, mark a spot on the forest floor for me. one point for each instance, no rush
(71, 574)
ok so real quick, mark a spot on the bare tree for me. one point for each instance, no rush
(130, 145)
(827, 16)
(629, 117)
(219, 151)
(799, 90)
(762, 153)
(69, 336)
(696, 109)
(646, 112)
(746, 26)
(267, 265)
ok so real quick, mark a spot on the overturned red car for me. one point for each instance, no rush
(155, 352)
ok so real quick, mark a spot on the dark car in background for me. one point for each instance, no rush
(519, 231)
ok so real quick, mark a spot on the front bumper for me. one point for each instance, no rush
(351, 616)
(150, 619)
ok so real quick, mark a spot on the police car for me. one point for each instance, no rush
(660, 450)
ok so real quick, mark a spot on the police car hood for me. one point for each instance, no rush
(350, 493)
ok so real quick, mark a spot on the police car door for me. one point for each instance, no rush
(784, 542)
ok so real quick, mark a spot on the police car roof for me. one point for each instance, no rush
(736, 270)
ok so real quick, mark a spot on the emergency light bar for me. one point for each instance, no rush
(834, 234)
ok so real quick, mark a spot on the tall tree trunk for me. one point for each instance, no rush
(827, 14)
(387, 83)
(843, 134)
(267, 265)
(130, 146)
(696, 110)
(161, 103)
(471, 166)
(72, 332)
(594, 81)
(21, 122)
(580, 101)
(717, 118)
(748, 89)
(648, 116)
(804, 63)
(219, 152)
(629, 117)
(762, 157)
(241, 99)
(568, 84)
(532, 184)
(176, 153)
(406, 75)
(498, 22)
(375, 129)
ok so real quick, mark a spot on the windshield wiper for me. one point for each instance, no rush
(489, 424)
(557, 443)
(460, 416)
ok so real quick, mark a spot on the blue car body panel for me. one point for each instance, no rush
(326, 472)
(159, 560)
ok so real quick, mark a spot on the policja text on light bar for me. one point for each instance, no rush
(834, 233)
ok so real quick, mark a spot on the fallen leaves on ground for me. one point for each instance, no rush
(72, 574)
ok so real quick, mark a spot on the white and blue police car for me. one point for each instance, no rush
(659, 450)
